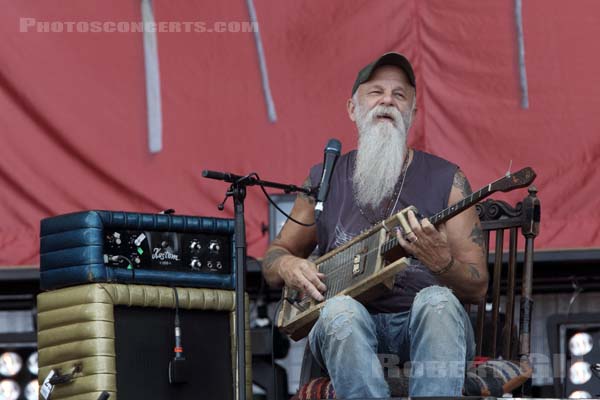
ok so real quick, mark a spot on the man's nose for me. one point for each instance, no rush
(386, 99)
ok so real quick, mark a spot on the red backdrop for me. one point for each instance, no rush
(73, 105)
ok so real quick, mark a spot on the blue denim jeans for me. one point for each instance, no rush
(435, 337)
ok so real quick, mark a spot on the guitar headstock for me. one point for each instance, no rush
(519, 179)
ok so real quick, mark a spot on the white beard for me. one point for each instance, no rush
(380, 155)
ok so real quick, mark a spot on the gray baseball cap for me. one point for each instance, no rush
(396, 59)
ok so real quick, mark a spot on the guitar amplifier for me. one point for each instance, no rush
(126, 247)
(119, 339)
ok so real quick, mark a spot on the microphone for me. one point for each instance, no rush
(332, 152)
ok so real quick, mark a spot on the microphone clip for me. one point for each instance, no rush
(314, 191)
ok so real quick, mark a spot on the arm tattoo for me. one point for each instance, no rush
(473, 272)
(477, 237)
(461, 183)
(307, 197)
(271, 257)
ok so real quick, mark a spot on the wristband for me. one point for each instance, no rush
(445, 269)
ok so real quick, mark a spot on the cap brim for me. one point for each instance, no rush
(398, 60)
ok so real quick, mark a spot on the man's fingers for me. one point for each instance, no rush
(442, 228)
(309, 271)
(403, 242)
(309, 288)
(425, 222)
(428, 228)
(414, 222)
(316, 281)
(413, 234)
(321, 286)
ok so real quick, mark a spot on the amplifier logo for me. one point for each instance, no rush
(158, 254)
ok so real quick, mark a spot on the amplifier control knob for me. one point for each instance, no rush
(195, 245)
(214, 246)
(196, 264)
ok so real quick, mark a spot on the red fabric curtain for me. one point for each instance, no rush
(73, 105)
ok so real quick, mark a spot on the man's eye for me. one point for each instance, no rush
(375, 92)
(400, 95)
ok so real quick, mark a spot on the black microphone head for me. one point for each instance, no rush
(333, 146)
(331, 154)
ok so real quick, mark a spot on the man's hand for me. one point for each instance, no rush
(302, 275)
(426, 243)
(285, 261)
(455, 252)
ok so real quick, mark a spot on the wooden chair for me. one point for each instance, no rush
(502, 364)
(507, 338)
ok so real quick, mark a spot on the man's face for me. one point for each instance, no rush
(382, 109)
(388, 87)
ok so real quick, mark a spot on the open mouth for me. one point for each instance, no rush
(385, 117)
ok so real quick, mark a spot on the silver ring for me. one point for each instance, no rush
(407, 238)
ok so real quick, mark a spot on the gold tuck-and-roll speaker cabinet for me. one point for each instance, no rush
(120, 339)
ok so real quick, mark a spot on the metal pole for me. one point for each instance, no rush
(521, 45)
(264, 75)
(239, 193)
(154, 109)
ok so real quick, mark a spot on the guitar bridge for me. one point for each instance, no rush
(297, 301)
(300, 306)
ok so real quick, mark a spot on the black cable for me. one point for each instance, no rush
(274, 204)
(179, 369)
(115, 258)
(178, 347)
(59, 379)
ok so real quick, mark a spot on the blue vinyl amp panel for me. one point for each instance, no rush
(127, 247)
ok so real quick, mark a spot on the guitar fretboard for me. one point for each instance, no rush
(446, 213)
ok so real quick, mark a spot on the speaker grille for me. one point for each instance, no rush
(144, 342)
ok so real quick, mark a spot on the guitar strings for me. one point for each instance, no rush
(341, 267)
(350, 255)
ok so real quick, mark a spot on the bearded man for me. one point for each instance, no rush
(421, 320)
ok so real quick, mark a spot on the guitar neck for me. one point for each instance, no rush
(462, 205)
(448, 213)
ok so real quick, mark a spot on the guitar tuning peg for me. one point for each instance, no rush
(509, 167)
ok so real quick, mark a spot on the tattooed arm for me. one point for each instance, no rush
(456, 248)
(469, 276)
(285, 260)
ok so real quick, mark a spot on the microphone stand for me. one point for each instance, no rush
(237, 190)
